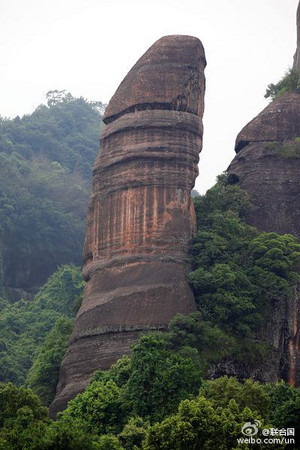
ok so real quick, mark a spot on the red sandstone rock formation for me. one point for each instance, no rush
(297, 54)
(273, 183)
(140, 217)
(272, 180)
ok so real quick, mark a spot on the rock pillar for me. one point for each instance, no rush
(140, 219)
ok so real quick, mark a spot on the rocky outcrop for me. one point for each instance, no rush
(278, 122)
(296, 65)
(268, 174)
(267, 166)
(140, 218)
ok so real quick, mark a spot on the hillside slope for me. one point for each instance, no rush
(46, 163)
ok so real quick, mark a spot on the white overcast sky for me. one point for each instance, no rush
(88, 46)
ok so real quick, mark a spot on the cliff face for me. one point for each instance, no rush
(140, 218)
(265, 171)
(297, 54)
(267, 166)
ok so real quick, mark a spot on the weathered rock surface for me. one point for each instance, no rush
(296, 65)
(278, 122)
(272, 180)
(140, 217)
(273, 183)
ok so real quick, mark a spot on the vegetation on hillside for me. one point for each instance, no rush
(43, 375)
(289, 82)
(240, 275)
(102, 418)
(158, 398)
(46, 163)
(24, 325)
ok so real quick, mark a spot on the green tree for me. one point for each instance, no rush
(61, 290)
(22, 418)
(199, 424)
(61, 435)
(284, 409)
(24, 425)
(42, 377)
(159, 379)
(24, 326)
(289, 82)
(134, 433)
(201, 340)
(109, 442)
(249, 394)
(99, 409)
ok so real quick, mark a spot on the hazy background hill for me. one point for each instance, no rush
(46, 161)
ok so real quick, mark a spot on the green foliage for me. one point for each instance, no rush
(46, 163)
(109, 442)
(150, 385)
(159, 379)
(61, 436)
(221, 198)
(289, 82)
(246, 395)
(13, 398)
(96, 419)
(99, 408)
(119, 373)
(134, 433)
(61, 290)
(65, 131)
(289, 149)
(238, 274)
(25, 324)
(201, 340)
(42, 377)
(284, 408)
(24, 425)
(199, 424)
(22, 418)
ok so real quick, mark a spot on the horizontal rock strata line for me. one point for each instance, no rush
(140, 219)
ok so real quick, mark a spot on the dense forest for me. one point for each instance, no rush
(159, 397)
(46, 161)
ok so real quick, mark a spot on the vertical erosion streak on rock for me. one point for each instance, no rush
(140, 218)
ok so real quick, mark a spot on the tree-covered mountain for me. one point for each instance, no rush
(46, 161)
